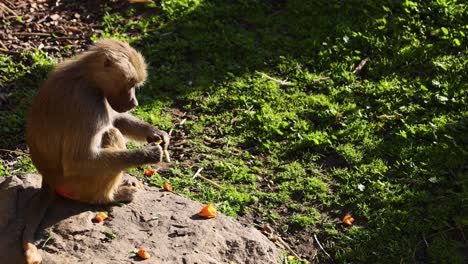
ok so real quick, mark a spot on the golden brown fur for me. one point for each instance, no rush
(77, 123)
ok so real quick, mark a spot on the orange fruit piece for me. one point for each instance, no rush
(348, 220)
(167, 187)
(148, 172)
(143, 254)
(101, 216)
(208, 211)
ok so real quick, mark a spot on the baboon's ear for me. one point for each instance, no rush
(110, 58)
(108, 61)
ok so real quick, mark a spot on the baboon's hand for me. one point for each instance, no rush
(157, 135)
(154, 153)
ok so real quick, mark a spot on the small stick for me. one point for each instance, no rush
(288, 248)
(281, 82)
(321, 79)
(14, 151)
(31, 34)
(320, 245)
(3, 45)
(425, 241)
(166, 156)
(47, 240)
(197, 175)
(6, 8)
(361, 66)
(182, 122)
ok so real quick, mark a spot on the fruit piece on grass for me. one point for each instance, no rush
(167, 187)
(148, 172)
(101, 216)
(208, 211)
(143, 254)
(348, 220)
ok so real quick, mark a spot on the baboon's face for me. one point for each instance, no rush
(120, 71)
(123, 101)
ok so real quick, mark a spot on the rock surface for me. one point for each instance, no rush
(164, 223)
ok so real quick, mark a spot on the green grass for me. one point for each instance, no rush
(387, 145)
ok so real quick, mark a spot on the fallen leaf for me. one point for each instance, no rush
(348, 220)
(143, 254)
(148, 172)
(167, 187)
(101, 216)
(208, 211)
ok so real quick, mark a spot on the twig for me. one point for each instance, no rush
(361, 65)
(166, 156)
(5, 50)
(320, 245)
(425, 241)
(16, 152)
(288, 248)
(6, 8)
(321, 79)
(47, 240)
(197, 175)
(31, 34)
(170, 132)
(3, 45)
(280, 82)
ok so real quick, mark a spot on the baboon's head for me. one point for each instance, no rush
(120, 69)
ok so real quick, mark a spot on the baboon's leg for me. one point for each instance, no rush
(119, 191)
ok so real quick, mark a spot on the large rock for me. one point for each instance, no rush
(164, 223)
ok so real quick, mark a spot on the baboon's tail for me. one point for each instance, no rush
(35, 212)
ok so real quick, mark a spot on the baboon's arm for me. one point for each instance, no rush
(133, 127)
(139, 130)
(107, 159)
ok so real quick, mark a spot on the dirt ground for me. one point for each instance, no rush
(164, 223)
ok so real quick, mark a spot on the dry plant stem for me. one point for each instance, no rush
(361, 66)
(182, 122)
(166, 156)
(7, 9)
(321, 79)
(16, 152)
(31, 34)
(320, 245)
(3, 45)
(281, 82)
(281, 241)
(197, 175)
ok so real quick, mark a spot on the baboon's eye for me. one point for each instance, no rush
(132, 81)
